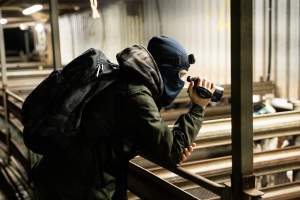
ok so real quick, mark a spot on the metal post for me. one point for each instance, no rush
(270, 41)
(27, 49)
(4, 88)
(241, 93)
(288, 52)
(55, 34)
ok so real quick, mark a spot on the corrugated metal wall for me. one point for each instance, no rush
(285, 37)
(117, 28)
(203, 27)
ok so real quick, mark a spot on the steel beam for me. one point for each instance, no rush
(27, 46)
(216, 169)
(288, 191)
(4, 87)
(26, 65)
(260, 88)
(2, 50)
(148, 186)
(241, 93)
(55, 34)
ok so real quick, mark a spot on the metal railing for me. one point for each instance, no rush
(14, 107)
(140, 180)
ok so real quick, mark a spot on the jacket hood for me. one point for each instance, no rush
(138, 63)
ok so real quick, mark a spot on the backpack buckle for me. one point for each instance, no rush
(99, 70)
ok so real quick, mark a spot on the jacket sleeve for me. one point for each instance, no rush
(154, 139)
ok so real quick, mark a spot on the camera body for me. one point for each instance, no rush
(204, 93)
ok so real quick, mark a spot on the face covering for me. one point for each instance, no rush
(172, 86)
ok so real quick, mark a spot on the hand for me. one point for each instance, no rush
(187, 152)
(200, 82)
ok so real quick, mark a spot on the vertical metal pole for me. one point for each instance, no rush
(288, 39)
(298, 52)
(276, 44)
(4, 87)
(27, 49)
(264, 39)
(159, 17)
(55, 34)
(270, 41)
(241, 94)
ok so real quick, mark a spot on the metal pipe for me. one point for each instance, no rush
(270, 41)
(27, 49)
(283, 191)
(203, 182)
(26, 65)
(148, 186)
(159, 17)
(55, 34)
(242, 178)
(272, 161)
(14, 96)
(4, 87)
(288, 52)
(3, 57)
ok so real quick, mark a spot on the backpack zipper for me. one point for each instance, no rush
(100, 68)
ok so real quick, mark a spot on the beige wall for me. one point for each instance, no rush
(202, 26)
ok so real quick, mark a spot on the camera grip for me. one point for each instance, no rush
(203, 92)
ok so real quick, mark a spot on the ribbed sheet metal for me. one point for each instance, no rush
(202, 26)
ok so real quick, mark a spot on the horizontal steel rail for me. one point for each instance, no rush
(264, 162)
(186, 172)
(9, 182)
(28, 73)
(200, 180)
(23, 82)
(288, 191)
(211, 113)
(22, 65)
(17, 152)
(14, 96)
(148, 186)
(217, 188)
(23, 85)
(270, 162)
(259, 88)
(214, 138)
(215, 129)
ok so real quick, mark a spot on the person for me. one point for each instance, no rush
(124, 121)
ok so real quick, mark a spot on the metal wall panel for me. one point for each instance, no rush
(131, 23)
(115, 30)
(78, 32)
(294, 52)
(203, 27)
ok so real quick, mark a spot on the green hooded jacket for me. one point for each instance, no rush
(118, 124)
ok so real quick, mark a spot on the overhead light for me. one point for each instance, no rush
(32, 9)
(3, 21)
(39, 27)
(23, 27)
(76, 8)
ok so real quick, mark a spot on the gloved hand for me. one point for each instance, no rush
(200, 82)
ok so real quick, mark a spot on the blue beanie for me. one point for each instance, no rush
(170, 58)
(168, 52)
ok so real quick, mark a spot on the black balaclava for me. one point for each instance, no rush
(170, 57)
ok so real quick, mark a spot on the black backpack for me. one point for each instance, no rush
(51, 114)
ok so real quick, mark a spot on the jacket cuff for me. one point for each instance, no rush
(197, 110)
